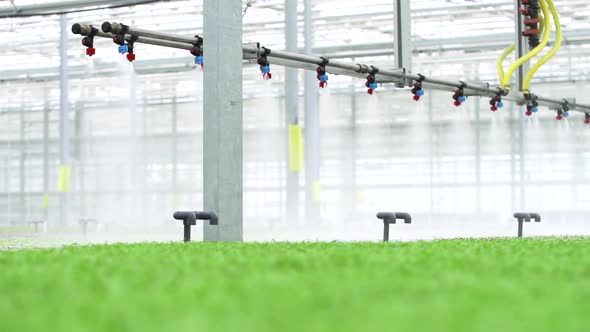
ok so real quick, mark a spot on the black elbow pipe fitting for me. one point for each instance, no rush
(404, 216)
(391, 218)
(189, 218)
(114, 28)
(77, 28)
(535, 216)
(522, 217)
(386, 216)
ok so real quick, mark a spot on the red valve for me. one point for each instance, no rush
(494, 108)
(90, 51)
(457, 103)
(587, 121)
(559, 117)
(529, 113)
(531, 32)
(416, 97)
(130, 57)
(531, 21)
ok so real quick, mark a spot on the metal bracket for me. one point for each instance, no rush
(248, 55)
(472, 93)
(401, 82)
(571, 103)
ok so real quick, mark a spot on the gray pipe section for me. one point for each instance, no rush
(118, 28)
(86, 30)
(480, 89)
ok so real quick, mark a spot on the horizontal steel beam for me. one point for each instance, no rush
(65, 7)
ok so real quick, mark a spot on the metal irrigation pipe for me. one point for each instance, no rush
(86, 30)
(110, 29)
(482, 90)
(119, 28)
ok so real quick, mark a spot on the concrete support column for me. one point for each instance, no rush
(312, 128)
(222, 118)
(291, 110)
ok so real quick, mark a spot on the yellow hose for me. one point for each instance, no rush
(501, 59)
(559, 37)
(534, 52)
(509, 50)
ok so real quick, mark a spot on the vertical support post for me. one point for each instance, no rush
(521, 45)
(21, 174)
(46, 162)
(135, 208)
(312, 128)
(291, 109)
(186, 231)
(403, 35)
(520, 223)
(348, 178)
(174, 125)
(385, 230)
(513, 180)
(431, 152)
(79, 154)
(478, 156)
(222, 119)
(64, 121)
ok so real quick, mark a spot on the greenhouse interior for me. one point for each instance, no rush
(128, 151)
(294, 165)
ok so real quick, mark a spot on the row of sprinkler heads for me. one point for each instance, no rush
(126, 44)
(459, 97)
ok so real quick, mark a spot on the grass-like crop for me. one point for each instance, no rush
(453, 285)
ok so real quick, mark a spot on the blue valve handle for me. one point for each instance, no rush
(265, 69)
(535, 109)
(324, 78)
(198, 60)
(462, 99)
(420, 92)
(373, 86)
(123, 49)
(500, 104)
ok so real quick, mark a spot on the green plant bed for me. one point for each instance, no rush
(452, 285)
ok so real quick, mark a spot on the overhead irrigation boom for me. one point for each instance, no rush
(126, 36)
